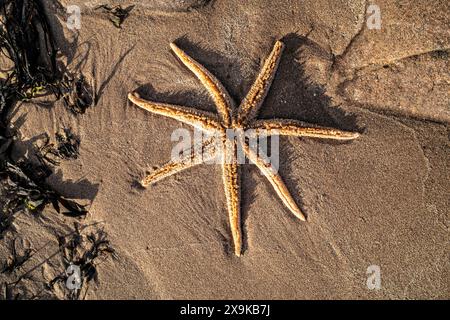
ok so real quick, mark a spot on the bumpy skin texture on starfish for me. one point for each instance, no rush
(199, 119)
(232, 192)
(287, 127)
(222, 99)
(197, 154)
(243, 120)
(249, 107)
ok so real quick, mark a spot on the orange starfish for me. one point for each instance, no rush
(242, 120)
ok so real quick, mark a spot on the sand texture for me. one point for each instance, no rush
(381, 199)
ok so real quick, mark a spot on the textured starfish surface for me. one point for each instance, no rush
(240, 119)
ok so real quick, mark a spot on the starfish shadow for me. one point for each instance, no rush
(191, 99)
(305, 101)
(227, 70)
(248, 198)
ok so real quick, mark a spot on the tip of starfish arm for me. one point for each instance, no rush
(143, 184)
(132, 96)
(345, 135)
(353, 135)
(301, 217)
(298, 214)
(279, 43)
(174, 47)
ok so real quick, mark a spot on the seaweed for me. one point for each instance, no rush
(26, 189)
(27, 42)
(116, 14)
(26, 39)
(68, 144)
(76, 93)
(67, 148)
(86, 251)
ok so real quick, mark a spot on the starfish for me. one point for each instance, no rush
(239, 119)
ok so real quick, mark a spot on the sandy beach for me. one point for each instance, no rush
(380, 200)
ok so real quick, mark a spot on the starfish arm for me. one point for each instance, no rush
(255, 97)
(200, 119)
(232, 193)
(193, 156)
(275, 180)
(219, 94)
(286, 127)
